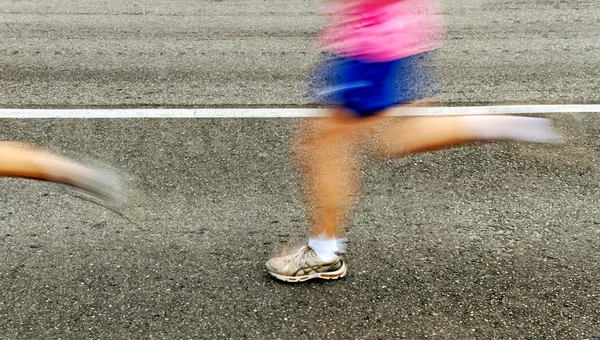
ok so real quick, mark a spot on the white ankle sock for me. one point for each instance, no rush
(326, 249)
(526, 129)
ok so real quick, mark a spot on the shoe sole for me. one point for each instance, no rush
(326, 276)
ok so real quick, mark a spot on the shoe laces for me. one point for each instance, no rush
(297, 256)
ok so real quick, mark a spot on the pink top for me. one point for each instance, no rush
(381, 30)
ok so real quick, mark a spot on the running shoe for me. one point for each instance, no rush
(304, 264)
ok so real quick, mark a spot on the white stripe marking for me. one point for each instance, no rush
(290, 112)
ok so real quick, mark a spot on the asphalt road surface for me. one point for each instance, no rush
(491, 241)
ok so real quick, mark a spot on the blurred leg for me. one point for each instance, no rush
(328, 151)
(27, 161)
(422, 134)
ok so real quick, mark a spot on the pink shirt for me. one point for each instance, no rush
(381, 30)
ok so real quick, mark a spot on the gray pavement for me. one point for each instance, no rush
(240, 53)
(493, 241)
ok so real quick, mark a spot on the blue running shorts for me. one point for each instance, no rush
(367, 88)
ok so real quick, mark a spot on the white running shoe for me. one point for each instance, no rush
(304, 264)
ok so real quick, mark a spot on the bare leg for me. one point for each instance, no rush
(422, 134)
(28, 161)
(329, 152)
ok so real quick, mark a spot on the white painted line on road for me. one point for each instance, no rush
(289, 112)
